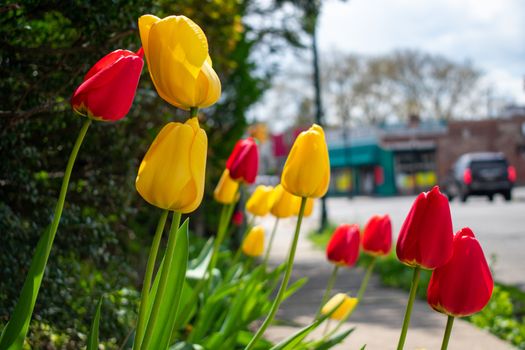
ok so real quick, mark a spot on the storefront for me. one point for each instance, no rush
(361, 170)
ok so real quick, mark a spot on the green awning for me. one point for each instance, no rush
(354, 155)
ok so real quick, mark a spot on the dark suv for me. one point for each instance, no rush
(481, 174)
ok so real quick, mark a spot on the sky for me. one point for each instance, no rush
(490, 33)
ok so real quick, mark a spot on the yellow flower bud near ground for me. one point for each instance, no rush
(261, 201)
(348, 305)
(176, 51)
(285, 204)
(226, 190)
(171, 175)
(253, 244)
(306, 172)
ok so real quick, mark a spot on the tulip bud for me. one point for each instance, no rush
(171, 175)
(108, 89)
(237, 218)
(285, 204)
(261, 201)
(463, 286)
(347, 305)
(306, 172)
(176, 50)
(226, 191)
(425, 238)
(377, 236)
(253, 244)
(243, 162)
(343, 248)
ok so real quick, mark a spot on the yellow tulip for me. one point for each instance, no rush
(306, 172)
(226, 190)
(253, 244)
(285, 204)
(261, 201)
(348, 305)
(176, 50)
(171, 175)
(308, 209)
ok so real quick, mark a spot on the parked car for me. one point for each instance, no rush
(480, 174)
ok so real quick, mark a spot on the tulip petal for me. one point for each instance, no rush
(463, 286)
(108, 94)
(145, 23)
(208, 87)
(306, 172)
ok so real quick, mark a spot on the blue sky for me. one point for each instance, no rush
(490, 33)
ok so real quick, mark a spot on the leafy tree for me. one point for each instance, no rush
(45, 49)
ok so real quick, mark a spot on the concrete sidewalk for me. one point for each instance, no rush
(378, 318)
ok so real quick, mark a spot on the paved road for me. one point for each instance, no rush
(498, 225)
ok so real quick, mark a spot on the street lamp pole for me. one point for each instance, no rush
(318, 109)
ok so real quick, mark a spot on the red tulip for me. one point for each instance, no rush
(109, 87)
(237, 218)
(243, 162)
(377, 236)
(343, 248)
(426, 235)
(462, 286)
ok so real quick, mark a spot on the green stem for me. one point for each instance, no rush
(270, 243)
(194, 111)
(147, 280)
(408, 312)
(247, 264)
(14, 333)
(284, 283)
(65, 182)
(360, 293)
(238, 253)
(224, 219)
(364, 282)
(168, 259)
(448, 330)
(329, 286)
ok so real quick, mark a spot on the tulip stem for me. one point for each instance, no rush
(410, 304)
(147, 279)
(360, 293)
(166, 268)
(448, 330)
(194, 111)
(13, 334)
(284, 283)
(270, 243)
(224, 220)
(364, 282)
(65, 182)
(237, 255)
(328, 290)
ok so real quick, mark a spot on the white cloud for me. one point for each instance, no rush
(489, 33)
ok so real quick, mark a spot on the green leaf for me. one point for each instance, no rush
(199, 266)
(186, 346)
(244, 337)
(92, 341)
(295, 339)
(294, 287)
(161, 334)
(203, 255)
(334, 340)
(15, 331)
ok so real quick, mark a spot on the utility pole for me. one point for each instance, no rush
(318, 102)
